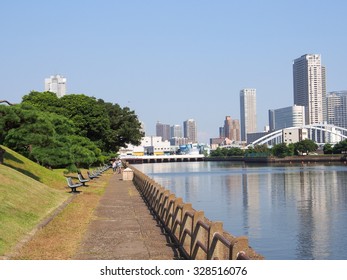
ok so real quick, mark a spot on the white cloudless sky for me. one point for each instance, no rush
(170, 61)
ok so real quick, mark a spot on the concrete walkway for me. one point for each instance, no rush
(124, 229)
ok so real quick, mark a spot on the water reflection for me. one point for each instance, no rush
(288, 212)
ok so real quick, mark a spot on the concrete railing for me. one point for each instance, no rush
(197, 237)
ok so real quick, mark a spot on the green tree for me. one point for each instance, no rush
(125, 128)
(261, 148)
(227, 152)
(281, 150)
(328, 148)
(33, 129)
(305, 146)
(45, 137)
(340, 148)
(108, 125)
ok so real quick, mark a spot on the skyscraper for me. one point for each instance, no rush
(176, 131)
(190, 130)
(337, 108)
(163, 130)
(309, 87)
(56, 84)
(231, 129)
(248, 112)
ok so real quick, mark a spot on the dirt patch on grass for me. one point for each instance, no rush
(60, 238)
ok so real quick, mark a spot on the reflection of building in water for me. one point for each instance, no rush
(290, 212)
(312, 191)
(251, 203)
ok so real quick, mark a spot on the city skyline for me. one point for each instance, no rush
(171, 61)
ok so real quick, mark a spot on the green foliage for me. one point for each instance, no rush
(75, 130)
(46, 137)
(282, 150)
(258, 151)
(226, 152)
(305, 146)
(328, 148)
(340, 148)
(108, 125)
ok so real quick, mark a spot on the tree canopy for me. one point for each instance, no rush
(108, 125)
(305, 146)
(75, 129)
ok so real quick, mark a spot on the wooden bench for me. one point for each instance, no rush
(72, 185)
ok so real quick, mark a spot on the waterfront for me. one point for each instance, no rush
(287, 211)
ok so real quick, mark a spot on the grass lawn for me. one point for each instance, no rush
(60, 239)
(35, 171)
(24, 202)
(30, 193)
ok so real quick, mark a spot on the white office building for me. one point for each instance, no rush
(248, 112)
(337, 108)
(293, 116)
(56, 84)
(294, 135)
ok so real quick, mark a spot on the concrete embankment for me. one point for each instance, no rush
(195, 235)
(139, 219)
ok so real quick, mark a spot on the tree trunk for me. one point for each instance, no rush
(2, 152)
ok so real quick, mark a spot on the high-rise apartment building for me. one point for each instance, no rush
(310, 87)
(248, 112)
(336, 102)
(176, 131)
(293, 116)
(190, 130)
(163, 130)
(56, 84)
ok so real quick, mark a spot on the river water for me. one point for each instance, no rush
(288, 212)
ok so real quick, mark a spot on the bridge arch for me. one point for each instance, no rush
(313, 132)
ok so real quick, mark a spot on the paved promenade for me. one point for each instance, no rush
(124, 229)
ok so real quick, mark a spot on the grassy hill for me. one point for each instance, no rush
(33, 170)
(28, 194)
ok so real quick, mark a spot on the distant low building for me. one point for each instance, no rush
(294, 135)
(178, 141)
(150, 145)
(219, 142)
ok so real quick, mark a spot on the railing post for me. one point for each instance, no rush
(176, 222)
(171, 211)
(239, 244)
(186, 224)
(198, 234)
(216, 249)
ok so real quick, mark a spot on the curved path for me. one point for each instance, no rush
(124, 229)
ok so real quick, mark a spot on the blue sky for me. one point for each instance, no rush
(171, 60)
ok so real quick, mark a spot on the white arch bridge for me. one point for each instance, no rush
(320, 133)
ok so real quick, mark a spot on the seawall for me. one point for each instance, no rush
(197, 237)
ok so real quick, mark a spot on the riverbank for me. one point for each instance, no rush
(253, 159)
(289, 159)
